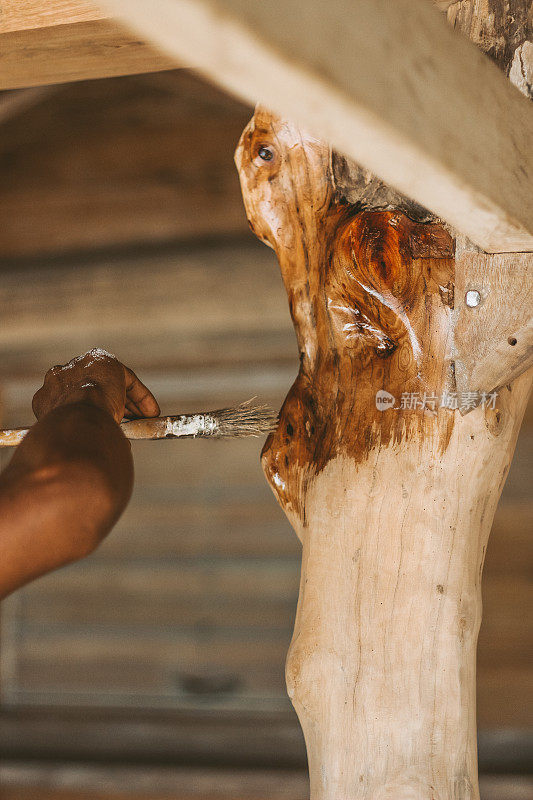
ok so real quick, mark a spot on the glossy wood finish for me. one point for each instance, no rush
(393, 506)
(370, 293)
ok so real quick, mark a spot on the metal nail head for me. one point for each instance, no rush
(472, 298)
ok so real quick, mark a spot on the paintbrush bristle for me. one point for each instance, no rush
(245, 420)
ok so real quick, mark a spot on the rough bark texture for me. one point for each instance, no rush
(359, 187)
(393, 507)
(498, 27)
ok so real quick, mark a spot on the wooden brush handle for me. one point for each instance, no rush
(241, 420)
(153, 428)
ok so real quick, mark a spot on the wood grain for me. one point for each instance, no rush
(493, 342)
(19, 15)
(74, 307)
(57, 52)
(100, 165)
(393, 506)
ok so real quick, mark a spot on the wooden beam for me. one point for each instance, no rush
(265, 740)
(493, 338)
(68, 40)
(388, 84)
(20, 15)
(443, 5)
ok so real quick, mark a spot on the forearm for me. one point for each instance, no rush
(63, 491)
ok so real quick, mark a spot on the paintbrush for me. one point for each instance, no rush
(237, 421)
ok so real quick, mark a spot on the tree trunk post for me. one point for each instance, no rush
(390, 488)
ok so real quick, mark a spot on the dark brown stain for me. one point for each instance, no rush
(431, 241)
(370, 295)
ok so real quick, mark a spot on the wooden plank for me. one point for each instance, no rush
(184, 580)
(141, 609)
(78, 782)
(469, 160)
(187, 304)
(510, 551)
(101, 164)
(443, 5)
(266, 740)
(505, 697)
(16, 102)
(505, 640)
(20, 15)
(494, 335)
(68, 41)
(493, 340)
(269, 739)
(230, 529)
(221, 786)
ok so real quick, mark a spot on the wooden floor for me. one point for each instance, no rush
(78, 782)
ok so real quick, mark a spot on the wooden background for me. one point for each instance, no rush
(122, 226)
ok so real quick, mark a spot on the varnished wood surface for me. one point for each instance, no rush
(371, 298)
(393, 505)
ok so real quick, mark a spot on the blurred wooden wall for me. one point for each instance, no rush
(122, 226)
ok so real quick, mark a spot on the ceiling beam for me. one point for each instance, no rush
(58, 41)
(388, 84)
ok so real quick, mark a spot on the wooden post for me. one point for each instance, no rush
(390, 489)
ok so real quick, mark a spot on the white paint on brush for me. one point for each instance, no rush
(191, 425)
(16, 435)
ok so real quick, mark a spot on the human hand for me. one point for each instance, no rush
(100, 379)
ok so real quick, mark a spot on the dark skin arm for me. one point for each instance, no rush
(72, 476)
